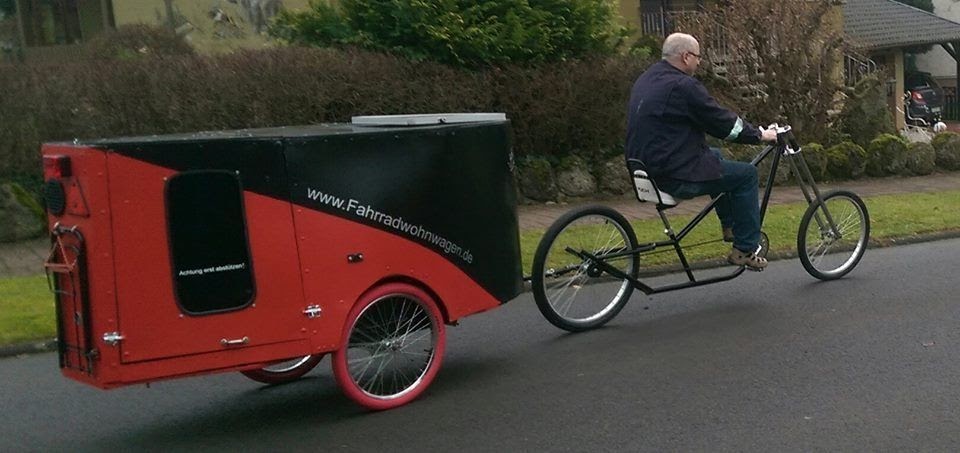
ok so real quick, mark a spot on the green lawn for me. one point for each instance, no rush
(27, 312)
(892, 217)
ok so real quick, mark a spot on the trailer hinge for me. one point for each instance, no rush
(312, 311)
(112, 338)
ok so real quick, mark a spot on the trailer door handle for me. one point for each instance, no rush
(239, 341)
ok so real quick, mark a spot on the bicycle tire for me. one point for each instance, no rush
(822, 254)
(569, 291)
(284, 371)
(392, 347)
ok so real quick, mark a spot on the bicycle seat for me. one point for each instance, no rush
(646, 188)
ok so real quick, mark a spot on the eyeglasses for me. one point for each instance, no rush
(695, 54)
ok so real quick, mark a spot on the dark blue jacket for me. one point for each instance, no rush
(670, 113)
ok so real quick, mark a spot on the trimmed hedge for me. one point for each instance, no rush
(557, 110)
(554, 108)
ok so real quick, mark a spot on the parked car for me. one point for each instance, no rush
(924, 99)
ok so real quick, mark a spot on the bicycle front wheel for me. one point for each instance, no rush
(828, 250)
(576, 293)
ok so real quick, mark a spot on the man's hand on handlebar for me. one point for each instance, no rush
(769, 134)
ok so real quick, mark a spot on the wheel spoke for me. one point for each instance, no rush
(574, 293)
(834, 244)
(391, 346)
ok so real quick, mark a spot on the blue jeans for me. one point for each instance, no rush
(739, 209)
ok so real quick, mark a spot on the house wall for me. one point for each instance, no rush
(937, 61)
(891, 64)
(630, 12)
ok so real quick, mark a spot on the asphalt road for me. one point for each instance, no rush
(775, 361)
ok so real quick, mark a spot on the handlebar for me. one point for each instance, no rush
(785, 137)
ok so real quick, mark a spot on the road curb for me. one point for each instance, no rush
(31, 347)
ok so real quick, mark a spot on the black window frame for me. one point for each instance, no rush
(171, 242)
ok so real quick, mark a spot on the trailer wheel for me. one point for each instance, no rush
(392, 347)
(285, 370)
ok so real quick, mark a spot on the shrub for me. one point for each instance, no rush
(20, 215)
(647, 46)
(865, 113)
(921, 158)
(136, 41)
(846, 160)
(739, 152)
(886, 155)
(746, 153)
(28, 201)
(947, 147)
(815, 155)
(461, 32)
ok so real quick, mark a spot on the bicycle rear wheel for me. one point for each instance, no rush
(829, 254)
(575, 293)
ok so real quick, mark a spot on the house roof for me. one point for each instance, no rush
(885, 24)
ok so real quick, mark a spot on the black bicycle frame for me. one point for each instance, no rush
(786, 146)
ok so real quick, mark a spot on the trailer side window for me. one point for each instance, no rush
(208, 242)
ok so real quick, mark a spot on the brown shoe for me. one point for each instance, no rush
(727, 234)
(748, 259)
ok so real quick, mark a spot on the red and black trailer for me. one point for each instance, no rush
(262, 250)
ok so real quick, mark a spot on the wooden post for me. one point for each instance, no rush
(899, 121)
(953, 49)
(956, 89)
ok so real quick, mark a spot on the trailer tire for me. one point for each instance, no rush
(392, 346)
(285, 370)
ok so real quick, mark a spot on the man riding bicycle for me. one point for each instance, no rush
(670, 113)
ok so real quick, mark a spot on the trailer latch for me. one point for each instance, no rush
(112, 338)
(237, 342)
(313, 311)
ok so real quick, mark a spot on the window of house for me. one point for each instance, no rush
(57, 22)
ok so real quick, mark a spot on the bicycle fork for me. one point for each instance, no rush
(811, 193)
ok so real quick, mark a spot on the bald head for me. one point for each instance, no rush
(678, 43)
(682, 51)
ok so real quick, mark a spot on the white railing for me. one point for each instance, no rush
(856, 67)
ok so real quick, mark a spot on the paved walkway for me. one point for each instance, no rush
(26, 258)
(23, 258)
